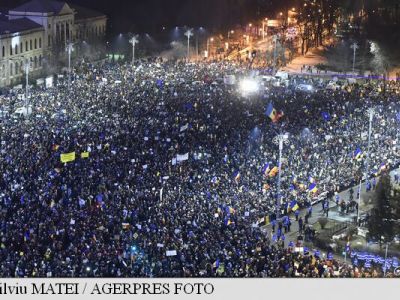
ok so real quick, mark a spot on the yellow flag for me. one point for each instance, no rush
(85, 155)
(67, 157)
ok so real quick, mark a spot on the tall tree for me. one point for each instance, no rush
(381, 223)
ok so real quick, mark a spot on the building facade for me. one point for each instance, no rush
(39, 31)
(21, 42)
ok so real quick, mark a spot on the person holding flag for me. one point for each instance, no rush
(273, 114)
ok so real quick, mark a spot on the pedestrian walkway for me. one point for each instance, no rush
(333, 214)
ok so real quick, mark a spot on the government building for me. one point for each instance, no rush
(38, 32)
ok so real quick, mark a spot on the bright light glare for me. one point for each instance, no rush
(248, 86)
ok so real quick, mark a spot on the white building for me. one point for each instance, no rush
(21, 41)
(43, 28)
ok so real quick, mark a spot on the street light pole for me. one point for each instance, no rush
(264, 24)
(275, 39)
(386, 252)
(370, 112)
(197, 46)
(188, 33)
(359, 202)
(134, 40)
(69, 50)
(208, 46)
(354, 46)
(280, 140)
(26, 67)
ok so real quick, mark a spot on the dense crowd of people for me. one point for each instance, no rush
(174, 171)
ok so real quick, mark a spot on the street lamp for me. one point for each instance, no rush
(370, 113)
(69, 49)
(386, 253)
(354, 46)
(208, 46)
(134, 40)
(264, 25)
(275, 40)
(230, 32)
(280, 140)
(188, 33)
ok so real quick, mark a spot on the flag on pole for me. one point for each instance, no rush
(271, 113)
(313, 188)
(273, 172)
(382, 167)
(266, 169)
(292, 206)
(358, 154)
(236, 176)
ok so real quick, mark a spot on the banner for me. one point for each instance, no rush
(67, 157)
(182, 157)
(185, 127)
(85, 155)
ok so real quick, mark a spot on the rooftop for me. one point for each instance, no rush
(17, 25)
(85, 13)
(41, 6)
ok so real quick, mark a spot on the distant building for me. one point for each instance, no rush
(21, 41)
(39, 31)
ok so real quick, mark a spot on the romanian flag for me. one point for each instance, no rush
(313, 188)
(230, 210)
(236, 176)
(382, 167)
(271, 113)
(216, 264)
(85, 155)
(266, 169)
(273, 172)
(358, 154)
(292, 206)
(228, 222)
(67, 157)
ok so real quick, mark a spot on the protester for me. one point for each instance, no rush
(168, 176)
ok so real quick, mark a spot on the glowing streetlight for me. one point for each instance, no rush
(280, 140)
(188, 33)
(134, 40)
(248, 86)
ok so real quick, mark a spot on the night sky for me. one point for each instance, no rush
(151, 15)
